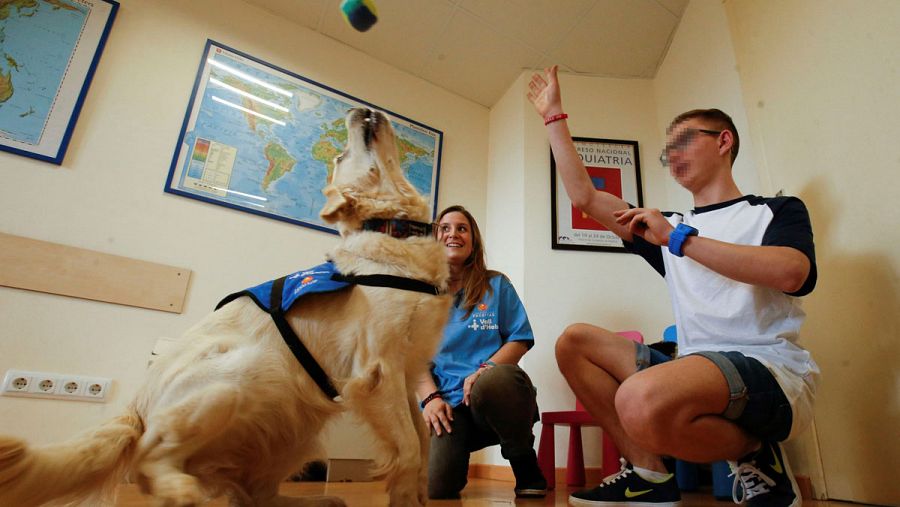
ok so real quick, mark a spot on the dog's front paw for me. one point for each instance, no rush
(178, 490)
(411, 499)
(310, 501)
(331, 501)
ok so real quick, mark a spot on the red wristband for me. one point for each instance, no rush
(430, 397)
(555, 117)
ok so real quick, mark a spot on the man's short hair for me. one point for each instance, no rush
(715, 118)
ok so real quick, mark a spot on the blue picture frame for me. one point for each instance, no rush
(44, 80)
(235, 109)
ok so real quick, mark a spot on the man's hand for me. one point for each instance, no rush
(647, 223)
(438, 415)
(543, 92)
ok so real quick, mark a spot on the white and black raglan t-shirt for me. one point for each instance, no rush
(716, 313)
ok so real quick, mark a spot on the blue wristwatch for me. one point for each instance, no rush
(677, 238)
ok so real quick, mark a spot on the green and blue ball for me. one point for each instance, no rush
(361, 14)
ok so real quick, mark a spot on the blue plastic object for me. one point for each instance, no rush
(686, 475)
(722, 484)
(670, 334)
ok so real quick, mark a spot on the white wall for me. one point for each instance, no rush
(504, 229)
(820, 80)
(108, 196)
(700, 72)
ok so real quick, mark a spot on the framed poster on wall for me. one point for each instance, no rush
(613, 166)
(48, 54)
(261, 139)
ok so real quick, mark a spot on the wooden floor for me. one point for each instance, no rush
(479, 493)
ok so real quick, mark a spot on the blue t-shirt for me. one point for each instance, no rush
(499, 318)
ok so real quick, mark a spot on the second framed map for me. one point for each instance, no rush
(261, 139)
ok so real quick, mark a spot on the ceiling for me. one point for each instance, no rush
(477, 48)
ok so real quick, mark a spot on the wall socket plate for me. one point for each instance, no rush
(58, 386)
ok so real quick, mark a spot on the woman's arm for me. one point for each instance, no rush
(510, 353)
(437, 413)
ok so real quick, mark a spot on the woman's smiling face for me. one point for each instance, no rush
(455, 233)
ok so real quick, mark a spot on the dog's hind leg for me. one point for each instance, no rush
(424, 442)
(380, 397)
(286, 501)
(175, 434)
(267, 496)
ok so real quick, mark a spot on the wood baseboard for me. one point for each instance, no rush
(592, 475)
(492, 472)
(804, 483)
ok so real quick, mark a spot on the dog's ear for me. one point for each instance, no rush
(336, 202)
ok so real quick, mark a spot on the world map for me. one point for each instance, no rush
(32, 68)
(263, 140)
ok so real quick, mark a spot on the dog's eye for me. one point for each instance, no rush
(338, 159)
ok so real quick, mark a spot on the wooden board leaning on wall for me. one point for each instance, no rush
(53, 268)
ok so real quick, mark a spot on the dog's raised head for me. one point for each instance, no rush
(367, 181)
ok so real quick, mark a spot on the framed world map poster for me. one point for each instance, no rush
(613, 166)
(261, 139)
(49, 50)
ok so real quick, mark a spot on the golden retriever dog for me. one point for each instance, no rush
(231, 412)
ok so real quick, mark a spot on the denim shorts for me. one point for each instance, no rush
(758, 404)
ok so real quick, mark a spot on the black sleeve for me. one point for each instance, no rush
(790, 226)
(650, 252)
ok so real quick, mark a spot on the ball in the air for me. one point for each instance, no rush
(361, 14)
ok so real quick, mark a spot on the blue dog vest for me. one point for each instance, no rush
(276, 297)
(295, 286)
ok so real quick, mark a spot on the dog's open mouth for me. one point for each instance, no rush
(369, 121)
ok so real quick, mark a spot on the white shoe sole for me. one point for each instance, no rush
(581, 502)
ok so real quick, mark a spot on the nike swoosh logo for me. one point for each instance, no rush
(632, 494)
(777, 465)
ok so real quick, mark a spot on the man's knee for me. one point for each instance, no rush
(571, 341)
(643, 413)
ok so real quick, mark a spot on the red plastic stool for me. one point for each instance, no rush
(575, 419)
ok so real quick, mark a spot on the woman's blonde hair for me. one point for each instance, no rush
(475, 273)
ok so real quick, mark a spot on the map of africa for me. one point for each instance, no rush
(261, 139)
(32, 68)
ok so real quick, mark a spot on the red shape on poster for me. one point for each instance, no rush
(604, 178)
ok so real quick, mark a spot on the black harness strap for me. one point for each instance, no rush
(390, 281)
(307, 361)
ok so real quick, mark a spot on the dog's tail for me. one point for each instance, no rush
(84, 470)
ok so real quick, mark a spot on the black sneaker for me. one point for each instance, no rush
(530, 481)
(765, 479)
(627, 488)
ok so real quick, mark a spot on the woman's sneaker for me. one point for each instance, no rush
(530, 482)
(765, 479)
(628, 488)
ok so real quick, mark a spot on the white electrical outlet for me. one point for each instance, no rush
(70, 386)
(95, 388)
(43, 383)
(16, 382)
(55, 385)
